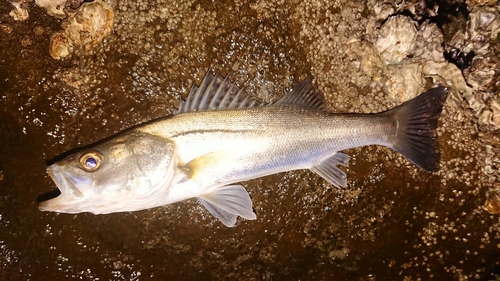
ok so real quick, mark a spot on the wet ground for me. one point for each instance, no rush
(392, 222)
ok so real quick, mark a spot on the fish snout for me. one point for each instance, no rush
(69, 192)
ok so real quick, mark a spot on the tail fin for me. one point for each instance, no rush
(416, 133)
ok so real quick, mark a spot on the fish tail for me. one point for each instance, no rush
(416, 136)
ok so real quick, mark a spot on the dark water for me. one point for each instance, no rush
(393, 222)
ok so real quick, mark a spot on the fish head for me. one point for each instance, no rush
(127, 173)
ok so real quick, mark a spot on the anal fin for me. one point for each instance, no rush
(228, 219)
(228, 202)
(329, 171)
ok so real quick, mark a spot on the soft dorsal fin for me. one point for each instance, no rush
(216, 92)
(304, 94)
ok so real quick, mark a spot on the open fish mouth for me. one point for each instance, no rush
(69, 192)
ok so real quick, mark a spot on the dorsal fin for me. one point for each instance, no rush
(216, 92)
(304, 94)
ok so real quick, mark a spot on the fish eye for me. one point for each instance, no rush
(91, 161)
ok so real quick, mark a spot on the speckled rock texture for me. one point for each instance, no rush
(392, 222)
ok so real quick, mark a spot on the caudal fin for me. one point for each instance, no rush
(417, 120)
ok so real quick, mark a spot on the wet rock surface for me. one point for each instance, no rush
(392, 222)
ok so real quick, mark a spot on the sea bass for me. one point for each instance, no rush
(219, 136)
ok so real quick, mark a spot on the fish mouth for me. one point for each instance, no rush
(69, 192)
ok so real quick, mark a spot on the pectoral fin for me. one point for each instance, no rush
(228, 202)
(328, 169)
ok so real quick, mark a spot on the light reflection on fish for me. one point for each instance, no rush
(220, 136)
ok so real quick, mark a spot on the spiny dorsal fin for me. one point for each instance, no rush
(304, 94)
(216, 92)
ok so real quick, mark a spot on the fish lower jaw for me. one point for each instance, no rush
(93, 206)
(60, 204)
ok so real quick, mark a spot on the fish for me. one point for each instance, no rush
(220, 136)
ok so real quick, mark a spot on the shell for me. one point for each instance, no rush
(429, 43)
(60, 46)
(472, 3)
(19, 13)
(449, 74)
(492, 204)
(491, 116)
(54, 8)
(483, 26)
(396, 39)
(83, 30)
(495, 118)
(481, 73)
(405, 81)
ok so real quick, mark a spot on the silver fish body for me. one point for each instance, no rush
(230, 146)
(220, 137)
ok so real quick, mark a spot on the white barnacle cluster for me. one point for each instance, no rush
(405, 56)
